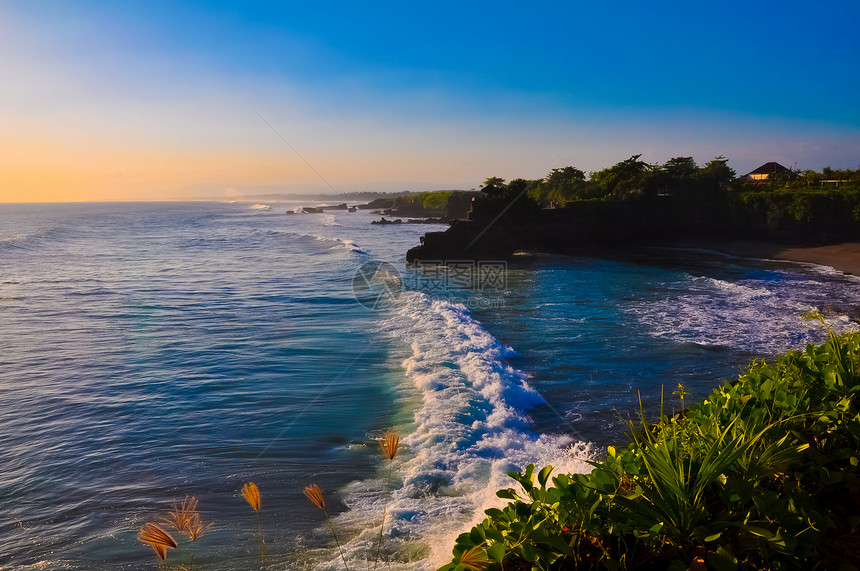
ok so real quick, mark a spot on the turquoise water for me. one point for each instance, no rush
(151, 351)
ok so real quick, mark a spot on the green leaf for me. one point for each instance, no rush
(543, 476)
(523, 511)
(722, 560)
(528, 552)
(529, 473)
(494, 534)
(759, 531)
(497, 552)
(558, 543)
(507, 494)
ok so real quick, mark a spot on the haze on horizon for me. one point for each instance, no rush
(160, 100)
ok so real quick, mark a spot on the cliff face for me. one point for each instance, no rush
(599, 223)
(469, 240)
(560, 230)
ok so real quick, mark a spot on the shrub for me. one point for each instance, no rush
(762, 474)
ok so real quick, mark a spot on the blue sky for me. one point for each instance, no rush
(135, 99)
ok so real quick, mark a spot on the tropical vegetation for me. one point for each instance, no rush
(761, 475)
(680, 198)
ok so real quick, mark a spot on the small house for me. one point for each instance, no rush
(768, 171)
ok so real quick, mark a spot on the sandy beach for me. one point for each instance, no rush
(844, 257)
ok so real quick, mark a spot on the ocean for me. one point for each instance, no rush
(153, 351)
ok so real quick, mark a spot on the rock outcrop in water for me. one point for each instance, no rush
(465, 240)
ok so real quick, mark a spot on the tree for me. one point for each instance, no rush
(622, 179)
(716, 174)
(680, 168)
(672, 177)
(561, 184)
(811, 178)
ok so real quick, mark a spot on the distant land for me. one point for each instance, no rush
(315, 196)
(220, 192)
(349, 196)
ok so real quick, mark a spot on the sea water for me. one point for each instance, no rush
(152, 351)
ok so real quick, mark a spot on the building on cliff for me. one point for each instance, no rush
(769, 171)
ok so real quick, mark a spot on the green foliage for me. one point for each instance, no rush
(518, 199)
(435, 200)
(762, 475)
(622, 179)
(494, 181)
(447, 203)
(678, 199)
(824, 210)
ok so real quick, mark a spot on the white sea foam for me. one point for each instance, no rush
(352, 246)
(261, 207)
(470, 427)
(342, 243)
(328, 220)
(759, 315)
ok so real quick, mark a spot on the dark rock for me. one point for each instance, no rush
(464, 241)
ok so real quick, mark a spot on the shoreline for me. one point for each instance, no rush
(844, 256)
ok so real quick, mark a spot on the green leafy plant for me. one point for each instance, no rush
(762, 474)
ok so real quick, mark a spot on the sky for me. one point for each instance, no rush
(152, 100)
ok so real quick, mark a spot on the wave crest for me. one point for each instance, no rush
(470, 428)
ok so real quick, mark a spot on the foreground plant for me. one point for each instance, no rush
(185, 518)
(196, 528)
(182, 514)
(764, 474)
(390, 443)
(251, 493)
(153, 535)
(315, 495)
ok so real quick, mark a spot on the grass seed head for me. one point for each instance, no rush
(252, 494)
(195, 528)
(389, 443)
(314, 494)
(474, 559)
(181, 515)
(154, 536)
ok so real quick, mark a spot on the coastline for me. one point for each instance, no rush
(844, 256)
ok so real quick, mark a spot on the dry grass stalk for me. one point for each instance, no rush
(314, 494)
(474, 559)
(181, 515)
(154, 536)
(389, 443)
(252, 494)
(195, 528)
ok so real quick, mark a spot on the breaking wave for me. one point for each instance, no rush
(470, 427)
